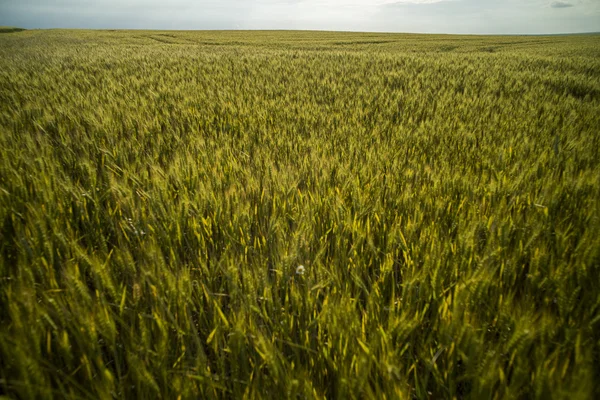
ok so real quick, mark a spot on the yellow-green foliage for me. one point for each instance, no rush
(158, 191)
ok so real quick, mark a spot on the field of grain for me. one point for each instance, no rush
(299, 215)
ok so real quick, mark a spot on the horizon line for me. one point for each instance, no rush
(305, 30)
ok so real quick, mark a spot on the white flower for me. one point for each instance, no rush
(300, 270)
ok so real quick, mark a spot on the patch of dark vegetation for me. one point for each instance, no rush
(234, 43)
(10, 29)
(447, 48)
(574, 89)
(363, 42)
(490, 49)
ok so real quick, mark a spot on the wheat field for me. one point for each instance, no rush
(300, 215)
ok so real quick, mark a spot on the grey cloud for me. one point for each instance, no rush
(561, 4)
(442, 16)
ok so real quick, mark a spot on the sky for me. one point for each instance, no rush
(418, 16)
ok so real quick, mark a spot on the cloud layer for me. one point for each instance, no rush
(560, 4)
(435, 16)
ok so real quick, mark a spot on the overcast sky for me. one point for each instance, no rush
(439, 16)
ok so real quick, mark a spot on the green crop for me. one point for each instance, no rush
(159, 192)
